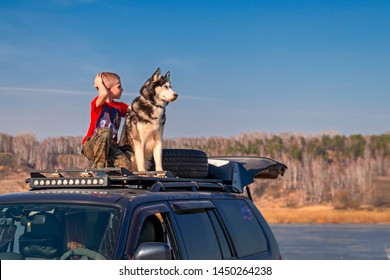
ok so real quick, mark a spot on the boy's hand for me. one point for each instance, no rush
(99, 83)
(104, 92)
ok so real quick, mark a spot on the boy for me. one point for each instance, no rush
(100, 145)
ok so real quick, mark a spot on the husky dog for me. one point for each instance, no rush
(144, 123)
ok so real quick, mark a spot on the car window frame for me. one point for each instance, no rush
(224, 234)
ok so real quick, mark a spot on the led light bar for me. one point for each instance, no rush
(39, 183)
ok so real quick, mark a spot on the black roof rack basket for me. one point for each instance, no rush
(230, 174)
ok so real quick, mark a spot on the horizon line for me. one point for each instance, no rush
(243, 134)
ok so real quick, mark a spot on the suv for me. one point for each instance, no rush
(200, 209)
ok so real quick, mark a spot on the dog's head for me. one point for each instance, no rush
(158, 88)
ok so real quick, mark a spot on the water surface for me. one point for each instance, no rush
(333, 242)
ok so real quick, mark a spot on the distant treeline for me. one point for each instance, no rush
(347, 171)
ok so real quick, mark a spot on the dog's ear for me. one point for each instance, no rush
(157, 75)
(167, 76)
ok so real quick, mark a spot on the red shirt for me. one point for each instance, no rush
(108, 115)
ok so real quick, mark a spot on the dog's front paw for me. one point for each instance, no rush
(159, 168)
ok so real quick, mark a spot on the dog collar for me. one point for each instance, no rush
(157, 105)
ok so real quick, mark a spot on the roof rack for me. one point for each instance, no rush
(229, 174)
(191, 186)
(118, 177)
(87, 172)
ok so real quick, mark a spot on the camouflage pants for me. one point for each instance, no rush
(103, 152)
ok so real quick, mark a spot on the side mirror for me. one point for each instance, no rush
(153, 251)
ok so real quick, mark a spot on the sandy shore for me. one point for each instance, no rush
(326, 214)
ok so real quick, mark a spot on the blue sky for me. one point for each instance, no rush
(239, 66)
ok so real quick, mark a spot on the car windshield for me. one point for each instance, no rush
(57, 231)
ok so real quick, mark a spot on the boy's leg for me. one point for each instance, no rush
(119, 158)
(97, 148)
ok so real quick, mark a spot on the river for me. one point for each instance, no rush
(333, 241)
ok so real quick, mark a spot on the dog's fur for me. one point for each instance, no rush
(144, 124)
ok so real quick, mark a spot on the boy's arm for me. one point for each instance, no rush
(102, 89)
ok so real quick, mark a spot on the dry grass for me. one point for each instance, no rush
(326, 214)
(13, 181)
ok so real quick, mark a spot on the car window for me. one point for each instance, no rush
(151, 231)
(198, 235)
(49, 231)
(245, 230)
